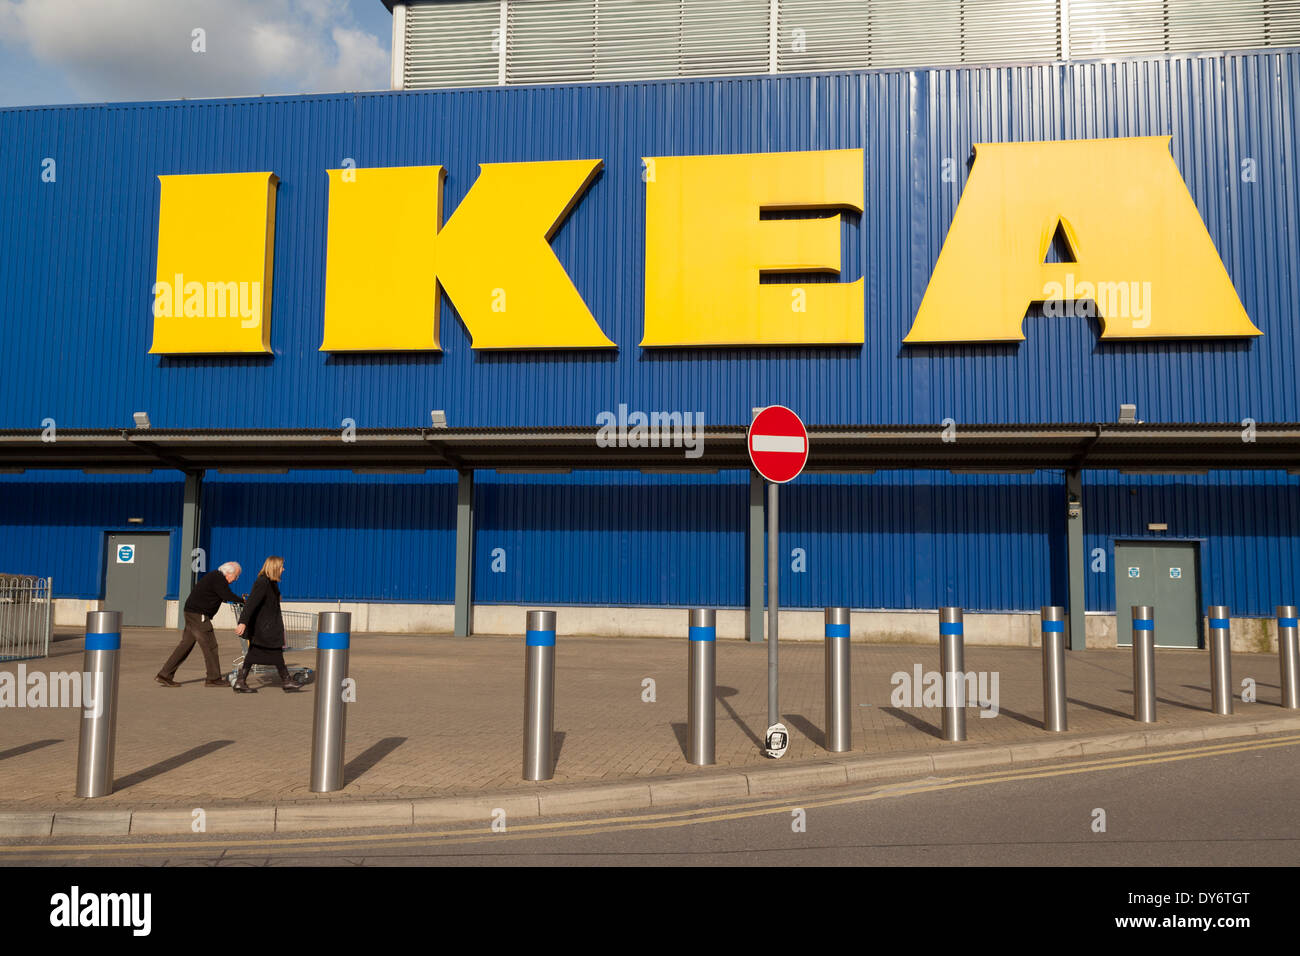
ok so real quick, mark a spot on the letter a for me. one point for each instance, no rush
(1127, 217)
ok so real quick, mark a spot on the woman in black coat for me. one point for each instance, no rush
(263, 627)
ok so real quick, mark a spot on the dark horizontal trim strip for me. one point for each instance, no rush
(989, 447)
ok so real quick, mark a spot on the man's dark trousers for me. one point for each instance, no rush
(198, 629)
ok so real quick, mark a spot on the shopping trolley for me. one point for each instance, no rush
(299, 635)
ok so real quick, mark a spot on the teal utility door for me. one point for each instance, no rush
(135, 581)
(1165, 575)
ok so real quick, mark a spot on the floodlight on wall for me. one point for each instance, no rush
(141, 419)
(753, 412)
(1128, 414)
(439, 418)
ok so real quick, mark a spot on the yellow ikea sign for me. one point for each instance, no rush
(1137, 249)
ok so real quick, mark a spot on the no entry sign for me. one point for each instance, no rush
(778, 444)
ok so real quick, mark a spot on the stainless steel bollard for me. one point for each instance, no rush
(839, 716)
(952, 667)
(333, 645)
(539, 696)
(1220, 660)
(701, 668)
(1288, 655)
(99, 729)
(1144, 663)
(1054, 718)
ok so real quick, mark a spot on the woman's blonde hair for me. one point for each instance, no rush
(273, 567)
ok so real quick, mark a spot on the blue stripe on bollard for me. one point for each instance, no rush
(103, 642)
(1219, 623)
(1142, 625)
(698, 634)
(837, 630)
(333, 642)
(1287, 621)
(953, 628)
(541, 639)
(1053, 627)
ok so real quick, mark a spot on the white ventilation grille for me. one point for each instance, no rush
(460, 43)
(452, 44)
(1103, 28)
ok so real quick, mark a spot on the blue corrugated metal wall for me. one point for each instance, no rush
(343, 536)
(77, 263)
(910, 539)
(1248, 525)
(899, 539)
(79, 253)
(889, 540)
(611, 538)
(54, 523)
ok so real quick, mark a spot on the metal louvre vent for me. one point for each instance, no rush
(1121, 27)
(570, 40)
(452, 44)
(844, 34)
(460, 42)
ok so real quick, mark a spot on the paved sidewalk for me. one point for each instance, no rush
(438, 716)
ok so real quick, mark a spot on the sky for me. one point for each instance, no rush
(89, 51)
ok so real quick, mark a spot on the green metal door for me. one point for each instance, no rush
(1165, 575)
(135, 581)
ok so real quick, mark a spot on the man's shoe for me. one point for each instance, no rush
(218, 682)
(166, 681)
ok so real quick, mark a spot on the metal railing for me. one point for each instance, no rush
(26, 616)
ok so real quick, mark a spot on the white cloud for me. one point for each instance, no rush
(142, 49)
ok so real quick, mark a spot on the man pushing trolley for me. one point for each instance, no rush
(203, 603)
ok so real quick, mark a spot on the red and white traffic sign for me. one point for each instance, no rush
(778, 444)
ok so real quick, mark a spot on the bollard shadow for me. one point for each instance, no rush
(171, 763)
(914, 721)
(1204, 690)
(1097, 707)
(807, 728)
(721, 694)
(679, 731)
(1023, 718)
(557, 738)
(369, 757)
(1183, 704)
(27, 748)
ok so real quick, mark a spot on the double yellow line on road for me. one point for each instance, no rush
(644, 821)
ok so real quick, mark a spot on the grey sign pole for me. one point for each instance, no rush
(1144, 663)
(539, 696)
(839, 716)
(773, 601)
(952, 667)
(1220, 660)
(333, 646)
(1054, 718)
(702, 674)
(99, 722)
(1288, 655)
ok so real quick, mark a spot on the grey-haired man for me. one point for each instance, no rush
(203, 604)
